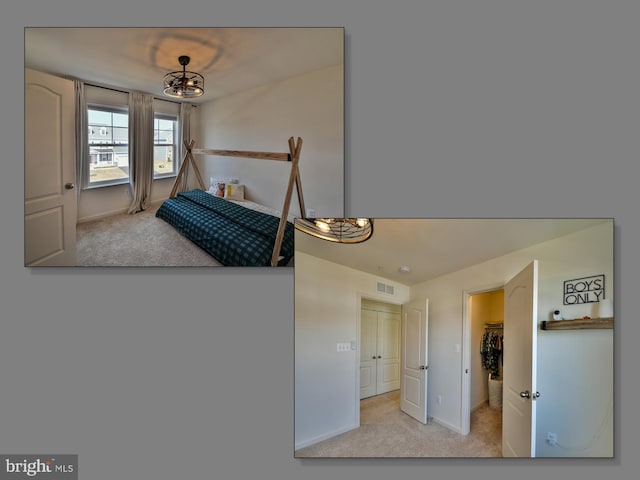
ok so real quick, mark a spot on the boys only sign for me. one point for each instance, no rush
(584, 290)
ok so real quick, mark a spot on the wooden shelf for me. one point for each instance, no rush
(578, 324)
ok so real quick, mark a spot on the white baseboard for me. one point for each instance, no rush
(100, 216)
(324, 436)
(454, 428)
(111, 213)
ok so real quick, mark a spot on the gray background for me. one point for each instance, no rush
(476, 108)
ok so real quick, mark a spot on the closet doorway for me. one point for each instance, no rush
(483, 360)
(379, 347)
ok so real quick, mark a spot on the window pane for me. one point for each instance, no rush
(163, 161)
(99, 117)
(108, 138)
(164, 138)
(121, 120)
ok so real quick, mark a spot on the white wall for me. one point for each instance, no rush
(575, 367)
(326, 310)
(310, 106)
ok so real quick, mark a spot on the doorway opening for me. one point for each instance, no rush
(397, 359)
(379, 348)
(377, 376)
(483, 362)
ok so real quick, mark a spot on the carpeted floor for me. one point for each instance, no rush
(385, 431)
(139, 240)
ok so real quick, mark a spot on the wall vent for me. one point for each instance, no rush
(385, 288)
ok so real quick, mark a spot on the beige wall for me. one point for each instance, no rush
(310, 106)
(326, 312)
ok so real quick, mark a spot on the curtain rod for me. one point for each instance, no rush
(129, 91)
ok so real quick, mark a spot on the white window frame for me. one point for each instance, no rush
(174, 161)
(88, 184)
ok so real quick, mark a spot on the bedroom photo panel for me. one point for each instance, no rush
(179, 147)
(454, 337)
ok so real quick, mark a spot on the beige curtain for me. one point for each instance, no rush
(185, 134)
(82, 141)
(140, 149)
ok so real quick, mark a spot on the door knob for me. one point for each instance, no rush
(525, 394)
(374, 357)
(69, 186)
(379, 356)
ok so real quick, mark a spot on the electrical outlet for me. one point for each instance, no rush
(552, 439)
(311, 213)
(439, 399)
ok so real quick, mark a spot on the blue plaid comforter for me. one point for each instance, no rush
(232, 234)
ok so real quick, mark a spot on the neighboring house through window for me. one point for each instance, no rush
(108, 146)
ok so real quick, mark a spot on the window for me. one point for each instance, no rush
(165, 134)
(108, 146)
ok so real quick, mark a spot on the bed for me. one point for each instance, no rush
(236, 233)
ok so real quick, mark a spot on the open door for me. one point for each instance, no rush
(413, 384)
(519, 350)
(49, 197)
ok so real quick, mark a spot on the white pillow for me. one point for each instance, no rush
(234, 191)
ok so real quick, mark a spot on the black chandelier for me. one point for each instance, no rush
(339, 230)
(183, 84)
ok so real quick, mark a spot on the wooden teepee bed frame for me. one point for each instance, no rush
(293, 156)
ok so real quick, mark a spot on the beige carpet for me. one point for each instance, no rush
(385, 431)
(138, 240)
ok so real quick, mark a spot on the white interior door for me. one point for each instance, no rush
(50, 198)
(379, 352)
(388, 371)
(413, 385)
(368, 352)
(519, 350)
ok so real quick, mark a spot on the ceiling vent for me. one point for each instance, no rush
(385, 288)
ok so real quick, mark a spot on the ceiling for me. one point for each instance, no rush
(230, 59)
(434, 247)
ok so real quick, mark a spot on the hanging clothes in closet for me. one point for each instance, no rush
(491, 351)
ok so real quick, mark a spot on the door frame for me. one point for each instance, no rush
(360, 295)
(465, 400)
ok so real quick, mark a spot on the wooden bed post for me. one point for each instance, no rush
(294, 177)
(188, 157)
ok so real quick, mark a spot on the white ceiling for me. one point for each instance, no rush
(434, 247)
(230, 59)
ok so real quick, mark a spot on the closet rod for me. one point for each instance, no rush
(494, 325)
